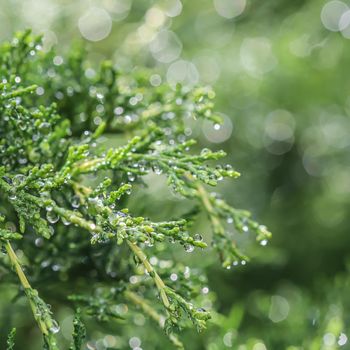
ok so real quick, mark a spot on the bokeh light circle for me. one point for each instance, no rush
(229, 8)
(217, 133)
(331, 14)
(166, 46)
(95, 24)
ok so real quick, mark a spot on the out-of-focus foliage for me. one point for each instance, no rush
(279, 70)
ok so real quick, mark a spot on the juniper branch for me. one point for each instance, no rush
(61, 175)
(41, 312)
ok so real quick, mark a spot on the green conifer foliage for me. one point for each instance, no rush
(64, 188)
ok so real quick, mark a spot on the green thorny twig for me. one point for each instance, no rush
(48, 326)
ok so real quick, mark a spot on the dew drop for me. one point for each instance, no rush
(52, 217)
(56, 267)
(131, 176)
(12, 196)
(75, 202)
(39, 242)
(173, 277)
(65, 221)
(112, 217)
(205, 151)
(157, 170)
(245, 228)
(198, 237)
(55, 328)
(18, 179)
(189, 248)
(187, 272)
(52, 230)
(45, 128)
(263, 242)
(205, 290)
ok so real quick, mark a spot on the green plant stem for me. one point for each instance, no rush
(216, 223)
(157, 280)
(143, 258)
(25, 284)
(204, 197)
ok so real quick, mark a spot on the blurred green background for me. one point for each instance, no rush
(280, 71)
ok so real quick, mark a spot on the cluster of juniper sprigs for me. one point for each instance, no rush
(64, 188)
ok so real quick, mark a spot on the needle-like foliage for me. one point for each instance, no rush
(65, 183)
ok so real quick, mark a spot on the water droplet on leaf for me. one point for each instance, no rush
(263, 242)
(75, 202)
(189, 248)
(52, 217)
(55, 328)
(18, 179)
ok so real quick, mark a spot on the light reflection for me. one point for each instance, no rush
(344, 24)
(279, 132)
(39, 14)
(279, 308)
(155, 17)
(259, 346)
(218, 133)
(166, 46)
(329, 339)
(343, 339)
(300, 47)
(183, 72)
(229, 8)
(331, 14)
(172, 8)
(257, 57)
(118, 9)
(208, 67)
(95, 24)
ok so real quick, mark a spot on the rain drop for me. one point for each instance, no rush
(39, 242)
(173, 277)
(75, 202)
(205, 152)
(198, 237)
(189, 248)
(131, 176)
(12, 196)
(18, 179)
(52, 217)
(65, 221)
(263, 242)
(54, 328)
(45, 128)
